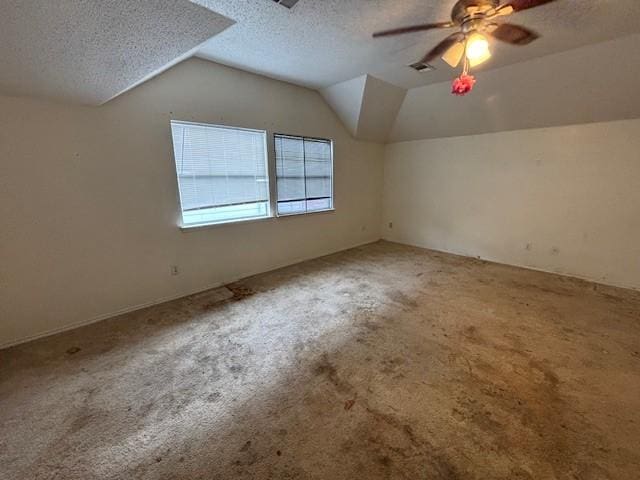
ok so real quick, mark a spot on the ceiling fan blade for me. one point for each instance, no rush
(442, 47)
(518, 5)
(454, 54)
(503, 11)
(413, 28)
(514, 34)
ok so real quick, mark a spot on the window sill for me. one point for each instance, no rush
(299, 214)
(201, 226)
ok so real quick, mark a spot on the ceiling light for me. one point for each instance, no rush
(454, 54)
(477, 49)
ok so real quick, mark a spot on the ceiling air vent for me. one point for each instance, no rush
(422, 67)
(287, 3)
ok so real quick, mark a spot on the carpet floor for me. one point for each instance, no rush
(381, 362)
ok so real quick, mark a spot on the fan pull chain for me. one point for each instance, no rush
(465, 65)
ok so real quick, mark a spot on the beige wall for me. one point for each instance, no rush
(564, 199)
(89, 209)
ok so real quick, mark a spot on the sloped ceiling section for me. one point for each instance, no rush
(366, 105)
(380, 106)
(88, 51)
(596, 83)
(346, 101)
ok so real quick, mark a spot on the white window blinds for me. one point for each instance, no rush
(304, 170)
(222, 173)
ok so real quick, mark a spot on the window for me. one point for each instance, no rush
(222, 173)
(304, 171)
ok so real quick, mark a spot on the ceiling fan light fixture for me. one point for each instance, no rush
(477, 50)
(472, 19)
(454, 54)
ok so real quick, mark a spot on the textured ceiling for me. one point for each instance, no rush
(88, 51)
(321, 43)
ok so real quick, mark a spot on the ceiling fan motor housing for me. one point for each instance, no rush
(466, 10)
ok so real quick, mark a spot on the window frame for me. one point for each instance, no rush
(275, 174)
(269, 203)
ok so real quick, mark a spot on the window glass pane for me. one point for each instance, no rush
(304, 174)
(290, 207)
(222, 173)
(317, 169)
(290, 169)
(318, 204)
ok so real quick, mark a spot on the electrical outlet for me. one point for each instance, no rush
(174, 270)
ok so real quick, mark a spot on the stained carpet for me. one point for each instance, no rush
(381, 362)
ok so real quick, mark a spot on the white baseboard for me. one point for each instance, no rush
(526, 267)
(140, 306)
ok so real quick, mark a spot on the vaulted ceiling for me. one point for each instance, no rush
(89, 51)
(321, 43)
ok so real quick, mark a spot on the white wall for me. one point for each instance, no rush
(562, 199)
(89, 209)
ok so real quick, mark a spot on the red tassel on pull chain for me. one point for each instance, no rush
(464, 83)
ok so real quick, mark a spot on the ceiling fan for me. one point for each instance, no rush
(474, 21)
